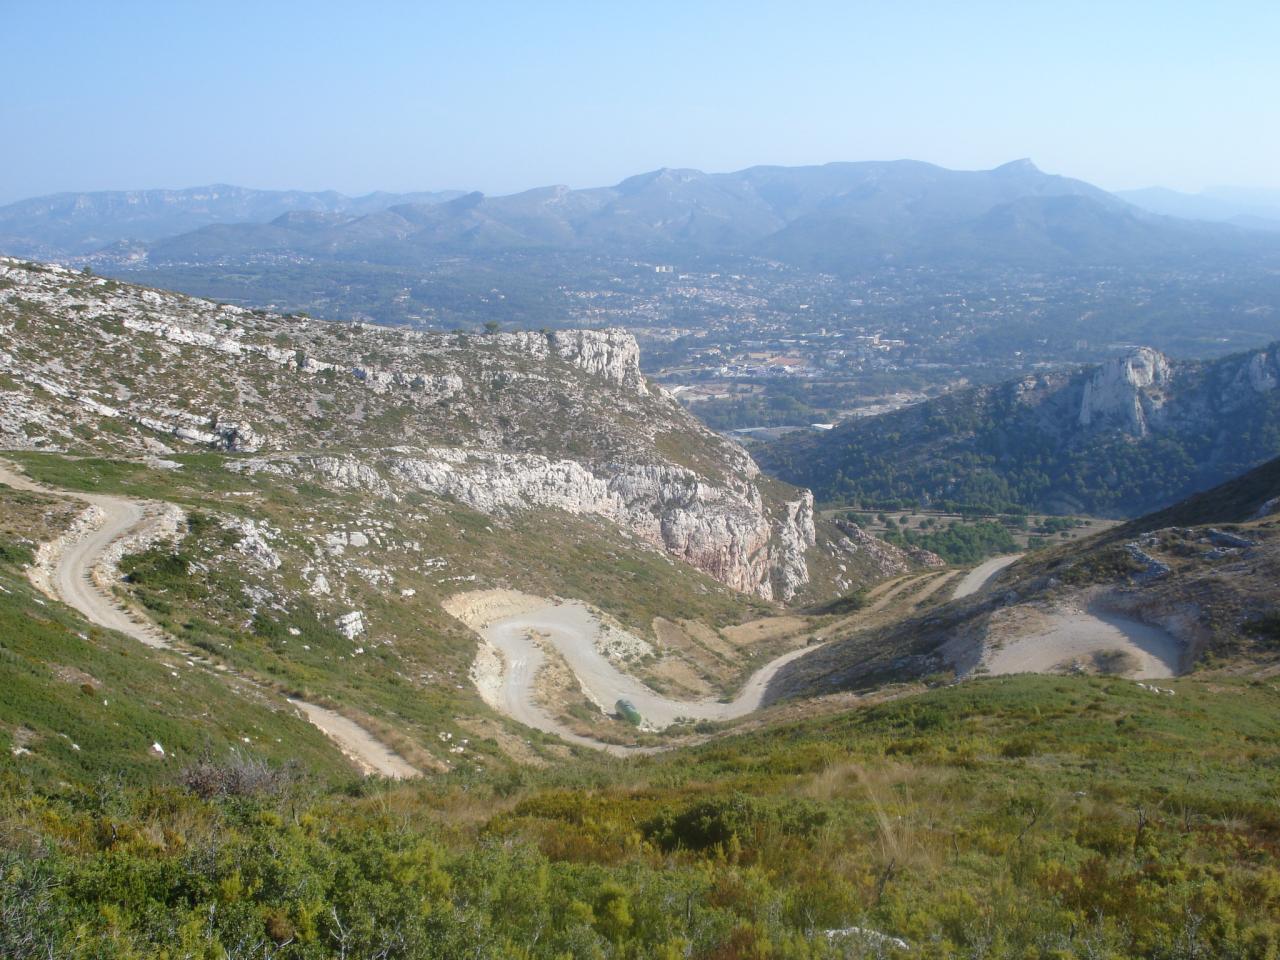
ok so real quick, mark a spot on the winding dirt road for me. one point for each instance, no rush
(571, 628)
(75, 581)
(1076, 634)
(982, 574)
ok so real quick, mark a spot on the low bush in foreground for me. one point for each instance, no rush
(1012, 817)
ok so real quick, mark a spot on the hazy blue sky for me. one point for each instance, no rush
(504, 96)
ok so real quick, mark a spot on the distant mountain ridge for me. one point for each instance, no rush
(834, 217)
(1252, 209)
(78, 223)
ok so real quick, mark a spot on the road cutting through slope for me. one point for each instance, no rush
(513, 626)
(74, 580)
(1072, 635)
(516, 625)
(982, 574)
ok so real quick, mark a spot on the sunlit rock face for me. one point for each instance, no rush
(501, 422)
(1127, 391)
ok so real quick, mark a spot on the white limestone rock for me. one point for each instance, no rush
(722, 530)
(612, 354)
(351, 625)
(254, 543)
(1127, 391)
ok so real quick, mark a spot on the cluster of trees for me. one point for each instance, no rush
(959, 543)
(782, 402)
(984, 450)
(770, 409)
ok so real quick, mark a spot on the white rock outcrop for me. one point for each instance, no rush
(612, 354)
(341, 473)
(889, 559)
(722, 530)
(350, 625)
(1259, 374)
(1264, 371)
(253, 543)
(1127, 391)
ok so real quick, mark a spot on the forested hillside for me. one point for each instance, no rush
(1132, 435)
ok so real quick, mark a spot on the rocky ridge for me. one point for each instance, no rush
(560, 420)
(890, 558)
(1128, 390)
(729, 532)
(1130, 435)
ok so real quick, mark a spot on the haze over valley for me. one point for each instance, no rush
(770, 297)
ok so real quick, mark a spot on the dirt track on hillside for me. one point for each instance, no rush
(77, 578)
(982, 574)
(1027, 640)
(508, 625)
(1035, 641)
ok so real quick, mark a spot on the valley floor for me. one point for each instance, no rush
(521, 633)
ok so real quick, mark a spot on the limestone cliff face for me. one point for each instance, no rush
(1258, 375)
(1144, 391)
(612, 354)
(503, 422)
(1128, 391)
(794, 535)
(727, 531)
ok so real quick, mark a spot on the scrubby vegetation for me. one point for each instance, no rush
(84, 705)
(1016, 817)
(959, 543)
(1027, 817)
(986, 449)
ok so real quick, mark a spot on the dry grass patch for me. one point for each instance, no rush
(756, 632)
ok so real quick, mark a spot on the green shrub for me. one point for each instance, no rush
(716, 823)
(17, 554)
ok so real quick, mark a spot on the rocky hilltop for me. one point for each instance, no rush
(501, 423)
(1127, 391)
(1133, 434)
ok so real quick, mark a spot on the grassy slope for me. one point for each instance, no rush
(67, 682)
(1017, 817)
(411, 683)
